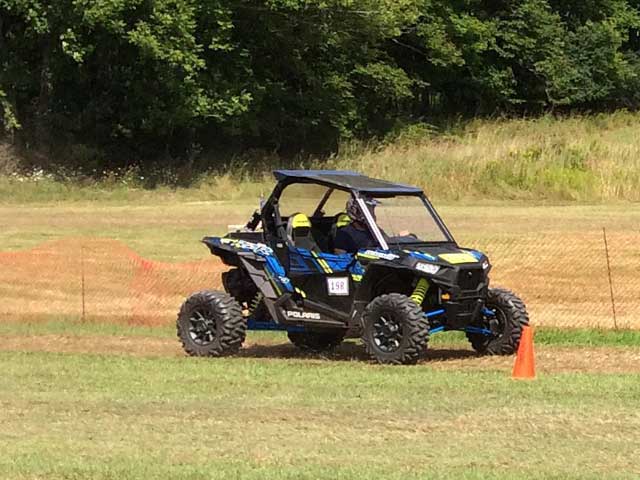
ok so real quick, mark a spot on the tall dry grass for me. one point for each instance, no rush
(590, 158)
(584, 158)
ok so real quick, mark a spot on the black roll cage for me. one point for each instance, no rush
(272, 220)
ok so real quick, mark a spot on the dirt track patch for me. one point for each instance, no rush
(549, 359)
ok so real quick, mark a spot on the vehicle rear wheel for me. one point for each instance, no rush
(509, 315)
(210, 324)
(316, 341)
(395, 329)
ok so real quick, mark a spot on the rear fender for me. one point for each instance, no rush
(230, 249)
(256, 259)
(227, 253)
(258, 274)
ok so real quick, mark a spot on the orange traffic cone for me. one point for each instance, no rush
(525, 366)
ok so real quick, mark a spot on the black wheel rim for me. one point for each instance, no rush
(387, 333)
(202, 327)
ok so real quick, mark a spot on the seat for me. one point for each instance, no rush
(341, 220)
(299, 232)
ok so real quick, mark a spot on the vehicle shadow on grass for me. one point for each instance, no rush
(347, 352)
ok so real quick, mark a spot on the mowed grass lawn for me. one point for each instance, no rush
(78, 416)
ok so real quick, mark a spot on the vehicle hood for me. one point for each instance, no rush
(442, 255)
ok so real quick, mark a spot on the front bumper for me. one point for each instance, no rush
(462, 296)
(462, 313)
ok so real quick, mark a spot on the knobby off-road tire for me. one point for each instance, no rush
(210, 324)
(510, 316)
(395, 330)
(316, 341)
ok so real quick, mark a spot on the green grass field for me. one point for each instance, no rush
(109, 416)
(79, 402)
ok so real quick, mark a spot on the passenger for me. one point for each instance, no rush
(356, 235)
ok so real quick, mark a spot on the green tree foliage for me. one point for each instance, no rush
(155, 80)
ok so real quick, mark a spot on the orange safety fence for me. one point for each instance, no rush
(565, 284)
(98, 280)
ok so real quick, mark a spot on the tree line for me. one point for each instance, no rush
(103, 83)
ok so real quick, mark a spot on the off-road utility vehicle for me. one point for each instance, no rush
(413, 281)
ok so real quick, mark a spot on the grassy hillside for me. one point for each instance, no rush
(581, 158)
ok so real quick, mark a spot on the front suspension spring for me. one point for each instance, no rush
(420, 291)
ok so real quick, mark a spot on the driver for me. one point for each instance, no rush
(356, 235)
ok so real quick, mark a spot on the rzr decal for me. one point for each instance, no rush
(376, 255)
(257, 248)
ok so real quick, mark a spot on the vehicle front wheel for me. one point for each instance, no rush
(210, 324)
(395, 329)
(505, 316)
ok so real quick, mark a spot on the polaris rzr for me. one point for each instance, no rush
(412, 281)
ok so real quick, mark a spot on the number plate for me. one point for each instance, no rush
(338, 286)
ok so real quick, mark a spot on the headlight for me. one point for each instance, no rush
(429, 268)
(485, 265)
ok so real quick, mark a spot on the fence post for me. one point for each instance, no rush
(82, 281)
(613, 301)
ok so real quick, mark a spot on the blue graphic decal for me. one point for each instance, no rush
(476, 254)
(357, 268)
(422, 256)
(274, 268)
(277, 273)
(337, 263)
(297, 263)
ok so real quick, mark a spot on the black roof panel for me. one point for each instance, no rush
(345, 179)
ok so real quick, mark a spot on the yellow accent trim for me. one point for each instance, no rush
(300, 220)
(325, 266)
(301, 292)
(274, 284)
(456, 258)
(369, 257)
(356, 278)
(420, 291)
